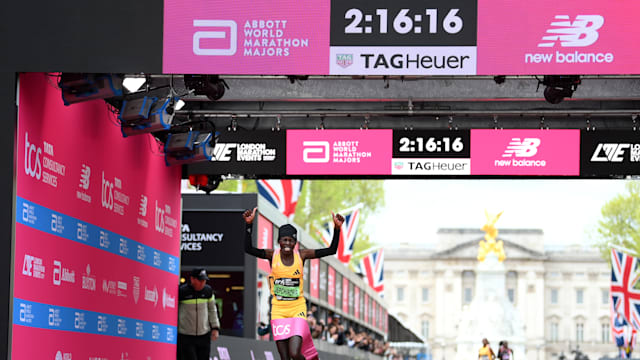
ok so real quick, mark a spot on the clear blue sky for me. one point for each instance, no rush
(566, 210)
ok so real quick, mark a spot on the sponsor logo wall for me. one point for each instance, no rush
(405, 37)
(97, 240)
(609, 152)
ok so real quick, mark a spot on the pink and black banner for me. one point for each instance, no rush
(97, 234)
(407, 37)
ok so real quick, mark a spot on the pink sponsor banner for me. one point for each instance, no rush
(73, 159)
(81, 277)
(49, 344)
(339, 152)
(314, 279)
(356, 302)
(345, 295)
(557, 37)
(97, 240)
(366, 309)
(331, 286)
(265, 241)
(280, 37)
(525, 152)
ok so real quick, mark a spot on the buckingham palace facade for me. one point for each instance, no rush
(562, 295)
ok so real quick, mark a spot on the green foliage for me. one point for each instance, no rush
(246, 186)
(620, 223)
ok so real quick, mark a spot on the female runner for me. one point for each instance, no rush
(288, 306)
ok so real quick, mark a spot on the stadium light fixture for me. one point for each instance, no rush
(188, 147)
(559, 87)
(79, 87)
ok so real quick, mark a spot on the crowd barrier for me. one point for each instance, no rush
(235, 348)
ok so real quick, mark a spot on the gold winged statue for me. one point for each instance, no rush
(489, 243)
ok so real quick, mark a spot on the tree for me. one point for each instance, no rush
(232, 186)
(620, 223)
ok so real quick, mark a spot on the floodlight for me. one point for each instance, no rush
(188, 147)
(209, 85)
(206, 183)
(78, 87)
(136, 109)
(133, 83)
(159, 117)
(559, 87)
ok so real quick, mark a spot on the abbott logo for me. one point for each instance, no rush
(583, 31)
(315, 151)
(525, 148)
(198, 48)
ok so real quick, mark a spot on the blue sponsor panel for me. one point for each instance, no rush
(55, 223)
(52, 317)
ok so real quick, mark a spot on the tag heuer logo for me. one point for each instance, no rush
(344, 60)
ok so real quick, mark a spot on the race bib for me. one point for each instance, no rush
(505, 356)
(286, 289)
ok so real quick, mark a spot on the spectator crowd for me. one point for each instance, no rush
(335, 331)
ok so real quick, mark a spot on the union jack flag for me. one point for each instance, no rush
(625, 297)
(347, 234)
(617, 328)
(283, 194)
(372, 266)
(624, 336)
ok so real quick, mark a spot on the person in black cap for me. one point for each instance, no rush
(288, 305)
(198, 322)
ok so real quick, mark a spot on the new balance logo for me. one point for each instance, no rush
(528, 147)
(297, 272)
(583, 31)
(85, 175)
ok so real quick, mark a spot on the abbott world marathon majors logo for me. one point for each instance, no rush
(192, 241)
(565, 33)
(262, 38)
(339, 152)
(518, 154)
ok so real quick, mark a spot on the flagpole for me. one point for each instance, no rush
(632, 252)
